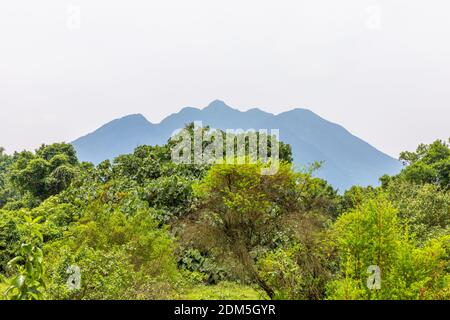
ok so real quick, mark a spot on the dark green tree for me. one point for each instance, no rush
(428, 164)
(47, 172)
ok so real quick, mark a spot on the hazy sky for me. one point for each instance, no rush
(379, 68)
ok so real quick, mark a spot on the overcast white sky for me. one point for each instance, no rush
(379, 68)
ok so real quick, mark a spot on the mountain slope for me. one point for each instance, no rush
(347, 159)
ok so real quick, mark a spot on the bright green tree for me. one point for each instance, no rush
(242, 208)
(371, 236)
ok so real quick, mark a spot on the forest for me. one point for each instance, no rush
(142, 227)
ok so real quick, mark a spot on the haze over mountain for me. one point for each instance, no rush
(347, 159)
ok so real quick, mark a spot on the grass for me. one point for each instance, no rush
(223, 291)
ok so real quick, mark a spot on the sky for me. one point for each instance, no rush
(379, 68)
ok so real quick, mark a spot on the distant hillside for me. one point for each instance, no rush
(348, 160)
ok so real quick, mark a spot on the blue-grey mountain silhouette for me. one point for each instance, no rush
(347, 160)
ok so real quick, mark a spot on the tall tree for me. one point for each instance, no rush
(243, 209)
(428, 164)
(47, 172)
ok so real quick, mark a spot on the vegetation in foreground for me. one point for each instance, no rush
(142, 227)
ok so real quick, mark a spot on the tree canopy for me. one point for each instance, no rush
(143, 227)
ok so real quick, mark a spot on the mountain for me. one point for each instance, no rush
(347, 159)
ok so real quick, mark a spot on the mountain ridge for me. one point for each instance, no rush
(348, 160)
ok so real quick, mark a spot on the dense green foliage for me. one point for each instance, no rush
(143, 227)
